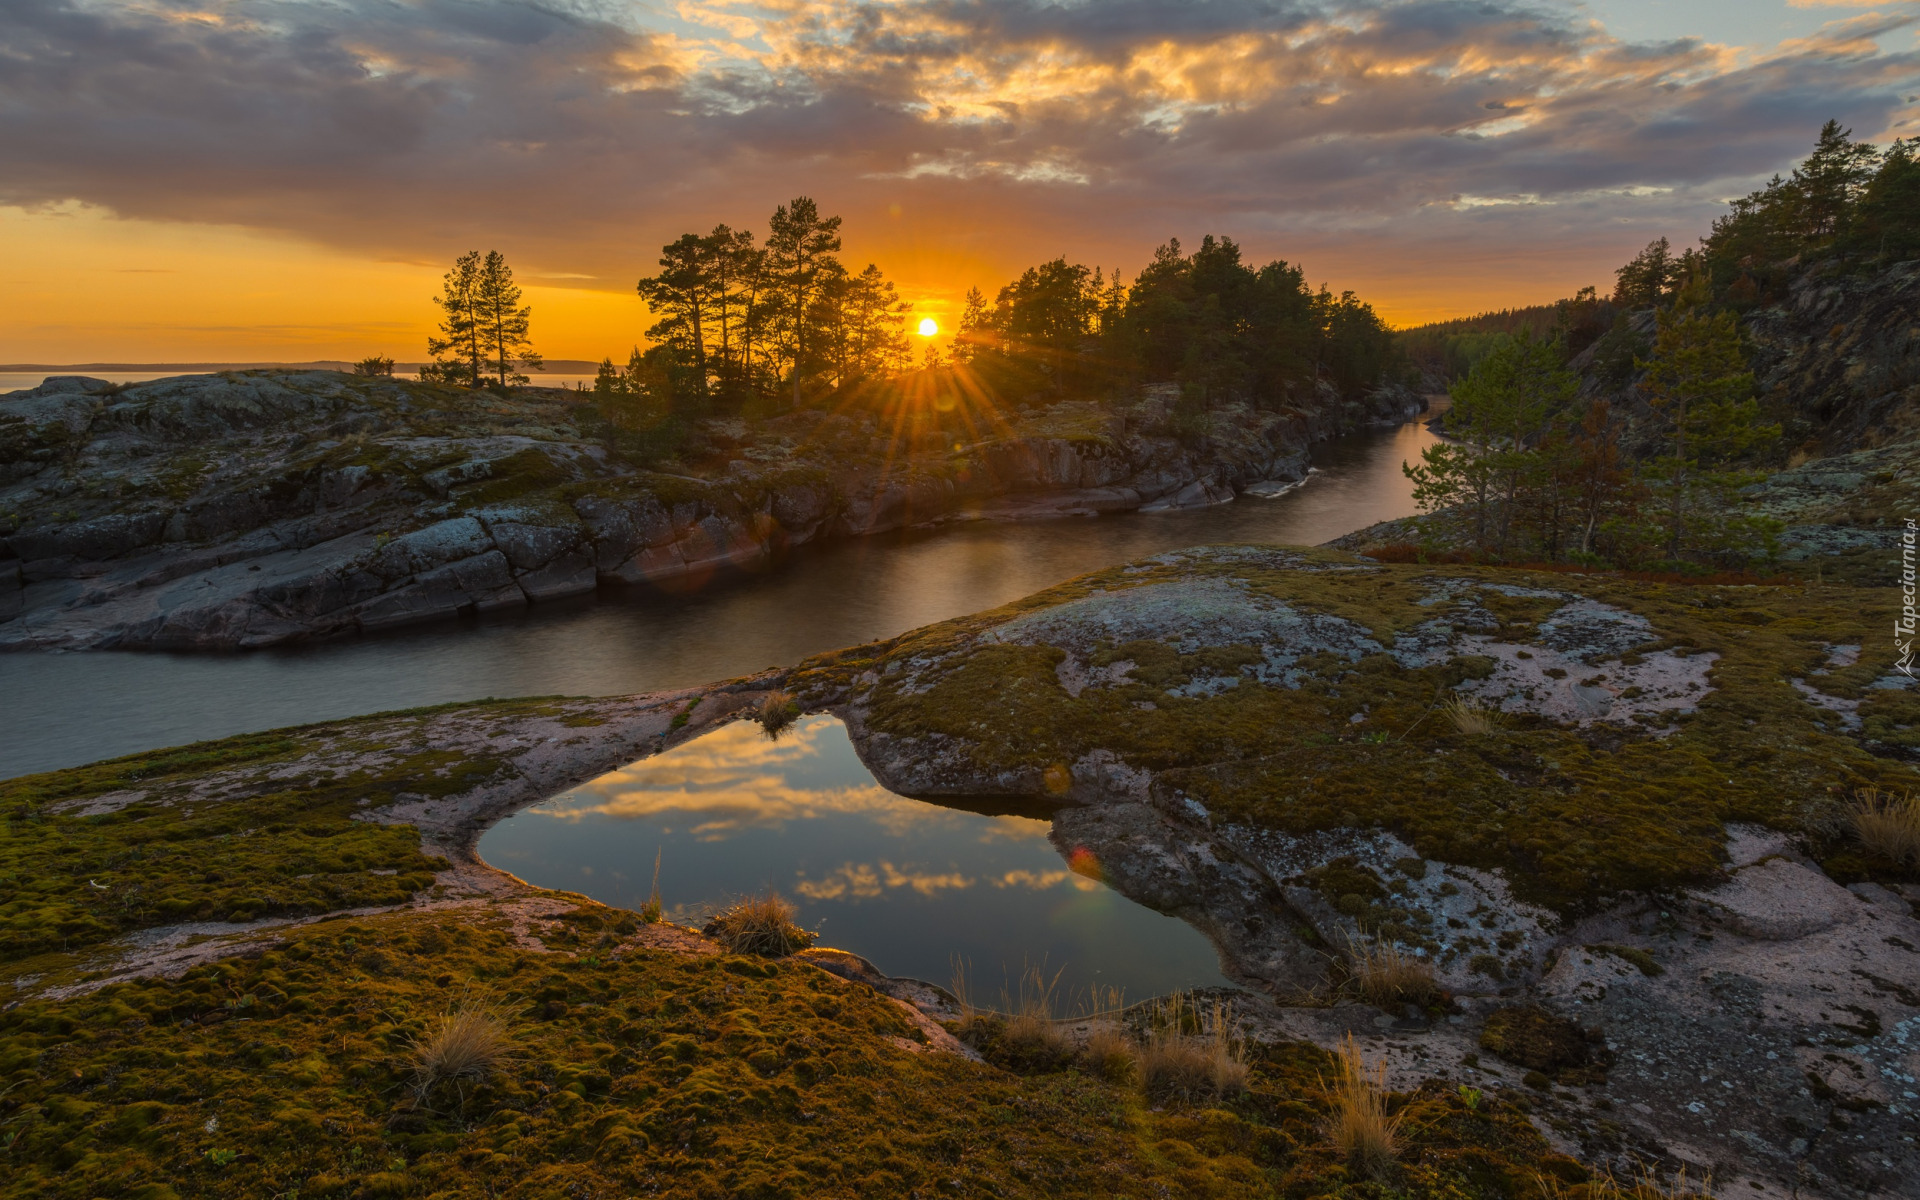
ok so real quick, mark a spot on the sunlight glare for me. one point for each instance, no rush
(929, 327)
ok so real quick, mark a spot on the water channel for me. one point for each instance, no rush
(913, 886)
(63, 709)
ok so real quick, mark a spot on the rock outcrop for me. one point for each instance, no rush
(254, 508)
(1622, 802)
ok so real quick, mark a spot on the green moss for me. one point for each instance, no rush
(632, 1072)
(268, 841)
(517, 475)
(1573, 816)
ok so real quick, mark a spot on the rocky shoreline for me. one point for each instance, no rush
(1741, 988)
(258, 508)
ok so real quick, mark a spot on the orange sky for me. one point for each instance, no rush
(86, 286)
(259, 181)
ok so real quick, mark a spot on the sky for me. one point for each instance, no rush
(220, 180)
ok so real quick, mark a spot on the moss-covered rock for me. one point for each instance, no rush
(1553, 743)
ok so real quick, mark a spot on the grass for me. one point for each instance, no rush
(1362, 1132)
(1471, 718)
(1107, 1050)
(1887, 826)
(777, 711)
(1193, 1053)
(652, 911)
(468, 1044)
(1031, 1026)
(761, 925)
(1643, 1185)
(633, 1072)
(1383, 974)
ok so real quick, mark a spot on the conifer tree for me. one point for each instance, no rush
(1501, 411)
(503, 321)
(800, 248)
(681, 296)
(1698, 383)
(460, 324)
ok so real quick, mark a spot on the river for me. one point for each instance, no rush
(63, 709)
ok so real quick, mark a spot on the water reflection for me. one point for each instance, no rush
(64, 709)
(902, 882)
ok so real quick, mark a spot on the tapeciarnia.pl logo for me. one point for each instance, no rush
(1903, 628)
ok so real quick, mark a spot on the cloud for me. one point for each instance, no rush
(579, 135)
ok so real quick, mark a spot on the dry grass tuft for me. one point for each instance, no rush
(1360, 1129)
(468, 1044)
(1471, 718)
(1888, 826)
(1383, 974)
(1030, 1020)
(1193, 1053)
(1644, 1185)
(653, 909)
(761, 924)
(1107, 1051)
(777, 711)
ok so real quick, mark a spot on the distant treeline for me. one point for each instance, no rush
(757, 329)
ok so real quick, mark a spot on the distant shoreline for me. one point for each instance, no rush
(559, 366)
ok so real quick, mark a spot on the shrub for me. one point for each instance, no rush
(777, 711)
(1888, 826)
(1382, 974)
(760, 924)
(1361, 1130)
(469, 1043)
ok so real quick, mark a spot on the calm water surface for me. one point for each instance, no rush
(909, 885)
(59, 710)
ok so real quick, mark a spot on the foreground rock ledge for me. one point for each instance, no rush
(1660, 867)
(1639, 826)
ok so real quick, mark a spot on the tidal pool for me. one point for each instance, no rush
(911, 886)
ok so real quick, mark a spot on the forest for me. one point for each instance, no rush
(753, 327)
(1621, 431)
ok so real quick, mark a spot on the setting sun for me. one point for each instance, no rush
(929, 327)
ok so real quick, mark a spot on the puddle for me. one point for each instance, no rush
(905, 883)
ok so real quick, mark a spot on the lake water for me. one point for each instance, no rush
(909, 885)
(64, 709)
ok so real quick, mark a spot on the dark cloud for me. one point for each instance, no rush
(577, 133)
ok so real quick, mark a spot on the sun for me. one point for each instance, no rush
(929, 327)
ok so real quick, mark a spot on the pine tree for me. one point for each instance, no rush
(503, 321)
(1699, 385)
(1645, 281)
(680, 296)
(1827, 184)
(974, 334)
(460, 325)
(800, 248)
(1501, 411)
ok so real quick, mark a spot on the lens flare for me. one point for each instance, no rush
(929, 327)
